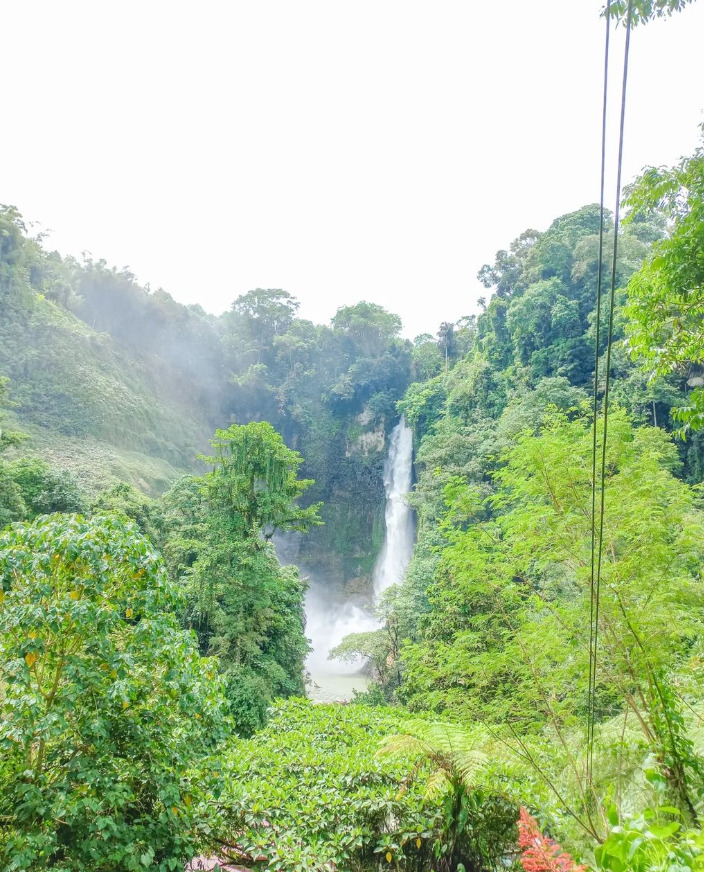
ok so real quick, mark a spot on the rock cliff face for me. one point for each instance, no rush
(351, 485)
(364, 438)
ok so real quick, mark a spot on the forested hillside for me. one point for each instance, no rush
(484, 642)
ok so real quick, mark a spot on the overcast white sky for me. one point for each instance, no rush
(366, 149)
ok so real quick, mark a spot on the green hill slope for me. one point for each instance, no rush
(89, 403)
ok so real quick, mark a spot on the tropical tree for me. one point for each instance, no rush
(244, 606)
(254, 481)
(125, 500)
(256, 319)
(643, 11)
(44, 489)
(478, 818)
(369, 327)
(106, 708)
(666, 296)
(427, 358)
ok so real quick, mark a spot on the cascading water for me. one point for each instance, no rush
(400, 526)
(329, 617)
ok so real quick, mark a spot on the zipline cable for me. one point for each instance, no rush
(594, 630)
(592, 676)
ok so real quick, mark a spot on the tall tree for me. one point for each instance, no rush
(369, 326)
(244, 606)
(666, 296)
(254, 482)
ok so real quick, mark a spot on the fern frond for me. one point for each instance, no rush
(438, 784)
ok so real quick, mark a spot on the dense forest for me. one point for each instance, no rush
(536, 680)
(119, 384)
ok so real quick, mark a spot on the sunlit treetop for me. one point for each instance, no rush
(645, 10)
(255, 478)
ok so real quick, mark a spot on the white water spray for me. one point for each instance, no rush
(330, 617)
(328, 620)
(397, 550)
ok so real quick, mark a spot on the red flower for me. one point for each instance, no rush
(541, 853)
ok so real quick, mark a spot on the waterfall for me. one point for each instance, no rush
(331, 616)
(400, 526)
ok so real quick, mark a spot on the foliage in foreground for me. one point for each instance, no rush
(313, 792)
(105, 705)
(540, 852)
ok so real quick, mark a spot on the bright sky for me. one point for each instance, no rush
(376, 149)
